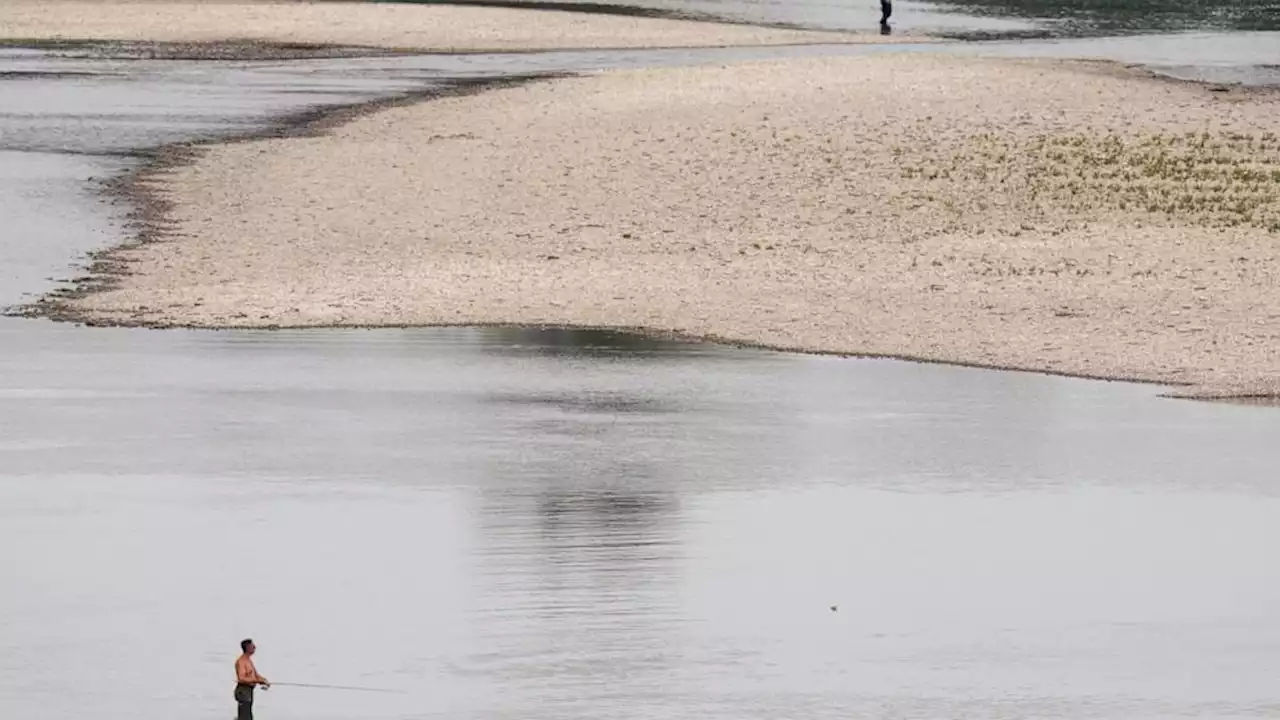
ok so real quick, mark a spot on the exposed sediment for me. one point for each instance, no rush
(415, 27)
(1061, 217)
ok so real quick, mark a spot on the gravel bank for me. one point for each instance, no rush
(1067, 218)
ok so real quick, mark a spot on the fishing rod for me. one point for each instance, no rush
(334, 687)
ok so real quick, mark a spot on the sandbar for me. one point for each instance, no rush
(1061, 217)
(398, 26)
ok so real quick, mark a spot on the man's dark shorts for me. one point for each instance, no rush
(244, 702)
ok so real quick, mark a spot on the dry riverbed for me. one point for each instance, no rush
(1063, 217)
(423, 28)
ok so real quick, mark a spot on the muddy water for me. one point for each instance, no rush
(539, 524)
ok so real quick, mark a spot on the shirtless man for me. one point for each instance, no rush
(246, 678)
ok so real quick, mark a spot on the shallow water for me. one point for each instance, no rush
(1057, 18)
(1132, 16)
(504, 523)
(518, 523)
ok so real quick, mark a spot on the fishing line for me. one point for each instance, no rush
(335, 687)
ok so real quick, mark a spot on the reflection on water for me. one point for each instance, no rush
(544, 523)
(500, 526)
(585, 342)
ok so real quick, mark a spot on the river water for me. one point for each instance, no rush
(521, 523)
(540, 524)
(965, 18)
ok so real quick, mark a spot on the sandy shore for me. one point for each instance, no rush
(385, 25)
(1068, 218)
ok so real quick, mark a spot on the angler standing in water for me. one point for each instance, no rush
(247, 678)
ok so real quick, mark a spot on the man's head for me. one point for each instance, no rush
(247, 646)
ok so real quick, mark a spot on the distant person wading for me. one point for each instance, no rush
(886, 9)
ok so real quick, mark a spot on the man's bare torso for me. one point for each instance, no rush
(246, 673)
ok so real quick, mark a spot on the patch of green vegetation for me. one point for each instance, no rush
(1215, 179)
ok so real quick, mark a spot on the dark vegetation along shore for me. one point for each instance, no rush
(1112, 17)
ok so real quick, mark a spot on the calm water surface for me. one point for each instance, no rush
(537, 524)
(530, 524)
(1065, 18)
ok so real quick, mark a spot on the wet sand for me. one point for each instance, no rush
(422, 28)
(1016, 214)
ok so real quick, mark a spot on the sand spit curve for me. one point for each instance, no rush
(1059, 217)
